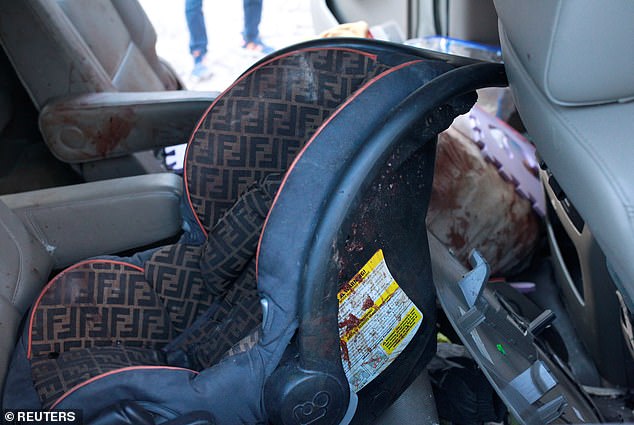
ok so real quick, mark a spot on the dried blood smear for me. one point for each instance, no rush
(344, 352)
(367, 303)
(350, 322)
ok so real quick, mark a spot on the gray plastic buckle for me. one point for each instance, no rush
(472, 284)
(534, 382)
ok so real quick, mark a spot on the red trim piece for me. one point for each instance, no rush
(49, 284)
(204, 115)
(500, 279)
(319, 130)
(113, 372)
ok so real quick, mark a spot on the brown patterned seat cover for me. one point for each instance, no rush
(101, 316)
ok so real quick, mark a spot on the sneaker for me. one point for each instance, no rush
(257, 46)
(201, 71)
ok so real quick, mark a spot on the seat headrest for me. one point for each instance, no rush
(577, 52)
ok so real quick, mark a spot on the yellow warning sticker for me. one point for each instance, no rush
(400, 332)
(359, 277)
(369, 313)
(376, 321)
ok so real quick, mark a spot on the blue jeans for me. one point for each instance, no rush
(197, 29)
(252, 16)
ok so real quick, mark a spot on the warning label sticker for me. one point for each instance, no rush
(376, 322)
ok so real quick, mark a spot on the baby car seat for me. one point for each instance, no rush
(310, 173)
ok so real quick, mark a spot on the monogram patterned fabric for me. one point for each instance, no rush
(263, 121)
(174, 272)
(54, 377)
(232, 242)
(224, 324)
(100, 303)
(219, 290)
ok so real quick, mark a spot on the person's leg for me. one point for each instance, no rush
(251, 32)
(197, 29)
(252, 16)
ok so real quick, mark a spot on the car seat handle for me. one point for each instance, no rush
(318, 298)
(310, 385)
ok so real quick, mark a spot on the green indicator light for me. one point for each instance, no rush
(501, 349)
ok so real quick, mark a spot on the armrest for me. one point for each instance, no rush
(106, 217)
(102, 125)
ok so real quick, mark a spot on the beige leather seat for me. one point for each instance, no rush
(102, 45)
(91, 69)
(571, 67)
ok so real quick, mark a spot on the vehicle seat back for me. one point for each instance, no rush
(577, 53)
(63, 47)
(571, 68)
